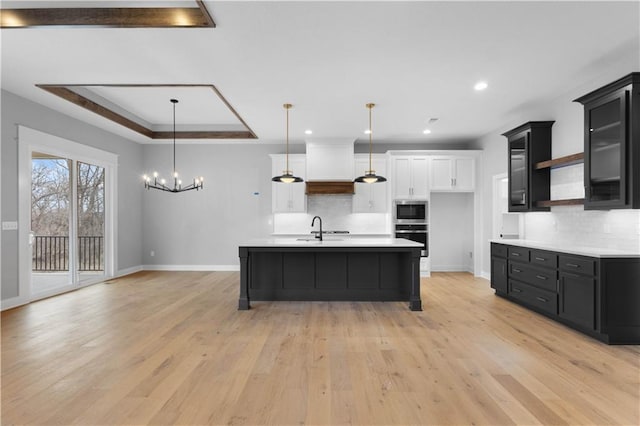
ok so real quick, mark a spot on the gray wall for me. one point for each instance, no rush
(17, 110)
(567, 138)
(204, 228)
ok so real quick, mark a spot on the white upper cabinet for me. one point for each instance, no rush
(410, 177)
(453, 173)
(370, 197)
(288, 197)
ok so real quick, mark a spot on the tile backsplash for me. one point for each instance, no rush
(572, 225)
(336, 214)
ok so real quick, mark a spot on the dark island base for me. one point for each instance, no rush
(329, 275)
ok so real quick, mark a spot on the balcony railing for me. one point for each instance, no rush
(51, 254)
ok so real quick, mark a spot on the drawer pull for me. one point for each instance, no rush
(541, 259)
(515, 254)
(516, 270)
(516, 290)
(541, 277)
(542, 299)
(572, 265)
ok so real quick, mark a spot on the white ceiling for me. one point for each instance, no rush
(415, 60)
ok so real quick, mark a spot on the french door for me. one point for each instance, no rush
(66, 214)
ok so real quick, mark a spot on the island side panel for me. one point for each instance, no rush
(415, 302)
(243, 301)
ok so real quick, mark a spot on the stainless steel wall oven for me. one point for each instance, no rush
(411, 221)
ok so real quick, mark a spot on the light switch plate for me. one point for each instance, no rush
(9, 226)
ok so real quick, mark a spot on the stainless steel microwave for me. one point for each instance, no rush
(410, 211)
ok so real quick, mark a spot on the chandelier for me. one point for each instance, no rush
(160, 183)
(287, 175)
(370, 175)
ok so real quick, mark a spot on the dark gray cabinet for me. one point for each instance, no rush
(597, 296)
(577, 299)
(528, 144)
(499, 279)
(612, 145)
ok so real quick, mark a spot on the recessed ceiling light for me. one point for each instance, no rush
(481, 85)
(308, 132)
(366, 132)
(426, 131)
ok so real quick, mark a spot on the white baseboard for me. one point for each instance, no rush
(128, 271)
(13, 303)
(486, 275)
(450, 268)
(221, 268)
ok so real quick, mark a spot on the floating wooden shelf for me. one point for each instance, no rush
(561, 162)
(567, 202)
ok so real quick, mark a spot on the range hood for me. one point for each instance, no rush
(329, 166)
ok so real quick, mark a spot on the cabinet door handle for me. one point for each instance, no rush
(572, 265)
(503, 269)
(541, 277)
(516, 270)
(515, 254)
(542, 299)
(541, 259)
(516, 290)
(455, 181)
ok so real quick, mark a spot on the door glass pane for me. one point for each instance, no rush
(50, 218)
(605, 143)
(91, 209)
(518, 178)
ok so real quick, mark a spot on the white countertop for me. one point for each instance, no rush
(571, 249)
(332, 241)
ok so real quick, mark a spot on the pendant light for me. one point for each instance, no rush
(370, 175)
(287, 175)
(198, 182)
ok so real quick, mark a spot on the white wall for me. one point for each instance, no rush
(451, 231)
(570, 225)
(17, 110)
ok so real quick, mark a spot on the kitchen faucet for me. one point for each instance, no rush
(318, 235)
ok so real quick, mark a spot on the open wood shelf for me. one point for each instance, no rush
(561, 162)
(567, 202)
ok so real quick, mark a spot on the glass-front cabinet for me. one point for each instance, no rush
(518, 181)
(612, 145)
(528, 144)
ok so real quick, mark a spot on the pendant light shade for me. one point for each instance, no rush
(287, 175)
(370, 175)
(155, 182)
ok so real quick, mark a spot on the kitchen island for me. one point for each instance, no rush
(351, 269)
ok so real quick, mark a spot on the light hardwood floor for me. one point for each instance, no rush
(171, 348)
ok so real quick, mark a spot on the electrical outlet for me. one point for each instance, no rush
(153, 253)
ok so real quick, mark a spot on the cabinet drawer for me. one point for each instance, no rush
(519, 253)
(543, 258)
(543, 278)
(580, 265)
(498, 250)
(542, 299)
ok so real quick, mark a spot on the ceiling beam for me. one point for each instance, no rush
(140, 17)
(64, 91)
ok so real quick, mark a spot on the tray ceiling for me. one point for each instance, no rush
(202, 111)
